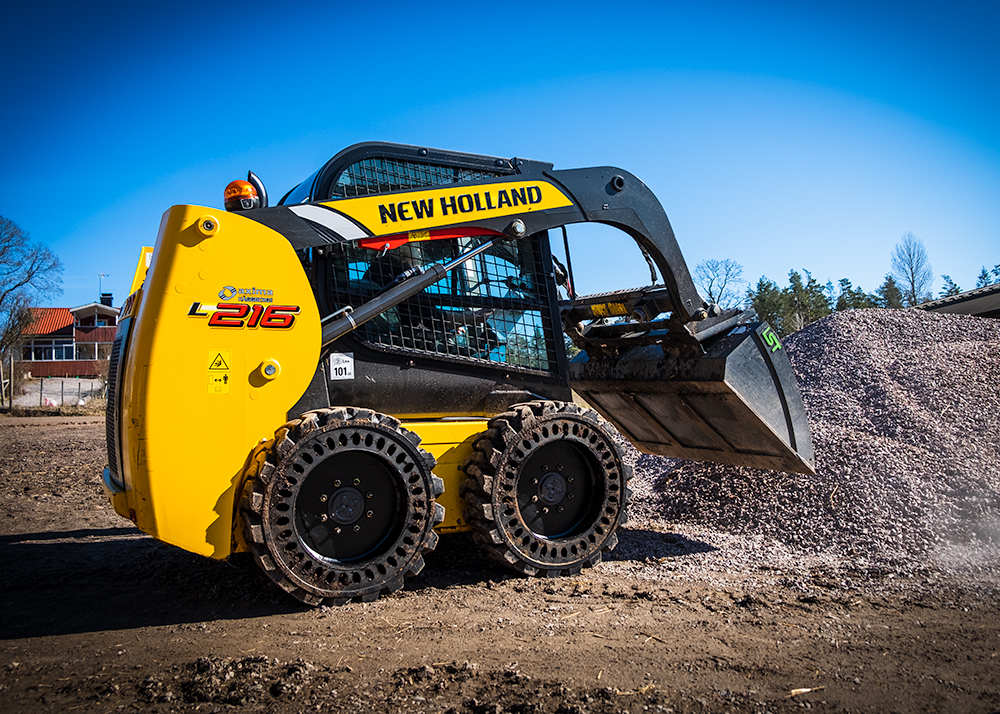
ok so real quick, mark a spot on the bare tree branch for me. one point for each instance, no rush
(27, 271)
(912, 270)
(720, 282)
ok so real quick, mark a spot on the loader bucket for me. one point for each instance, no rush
(738, 403)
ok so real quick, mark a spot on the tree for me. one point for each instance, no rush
(526, 350)
(808, 302)
(852, 298)
(985, 278)
(912, 270)
(571, 349)
(720, 282)
(27, 271)
(950, 288)
(889, 295)
(790, 309)
(768, 302)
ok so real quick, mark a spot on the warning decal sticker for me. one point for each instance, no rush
(219, 362)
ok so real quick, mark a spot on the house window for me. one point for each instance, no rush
(42, 351)
(47, 350)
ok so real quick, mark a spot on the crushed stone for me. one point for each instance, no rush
(904, 408)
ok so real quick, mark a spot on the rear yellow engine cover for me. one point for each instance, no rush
(226, 341)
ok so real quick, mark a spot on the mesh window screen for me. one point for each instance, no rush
(491, 308)
(382, 175)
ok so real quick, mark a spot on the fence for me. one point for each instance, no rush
(57, 392)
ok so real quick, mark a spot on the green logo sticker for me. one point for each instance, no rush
(771, 339)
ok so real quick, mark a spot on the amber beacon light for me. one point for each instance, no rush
(241, 196)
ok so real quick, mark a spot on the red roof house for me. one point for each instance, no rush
(51, 321)
(69, 342)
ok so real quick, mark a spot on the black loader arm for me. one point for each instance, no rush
(616, 198)
(607, 195)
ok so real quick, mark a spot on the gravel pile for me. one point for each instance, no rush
(904, 408)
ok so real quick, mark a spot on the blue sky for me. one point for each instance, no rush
(778, 135)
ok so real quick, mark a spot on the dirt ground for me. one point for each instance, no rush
(97, 617)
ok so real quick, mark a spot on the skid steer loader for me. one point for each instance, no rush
(332, 382)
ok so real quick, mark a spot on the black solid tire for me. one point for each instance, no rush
(339, 506)
(547, 488)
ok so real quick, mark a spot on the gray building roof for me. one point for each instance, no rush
(981, 302)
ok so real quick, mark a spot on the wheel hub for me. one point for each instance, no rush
(555, 489)
(552, 489)
(347, 505)
(348, 521)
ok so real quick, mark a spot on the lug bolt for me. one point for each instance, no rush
(323, 517)
(534, 498)
(370, 514)
(337, 530)
(561, 509)
(559, 467)
(336, 484)
(570, 494)
(569, 479)
(357, 528)
(322, 499)
(371, 494)
(357, 481)
(545, 510)
(534, 481)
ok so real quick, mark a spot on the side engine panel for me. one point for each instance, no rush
(223, 343)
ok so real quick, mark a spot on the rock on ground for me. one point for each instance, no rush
(904, 408)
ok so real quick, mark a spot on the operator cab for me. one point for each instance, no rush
(487, 325)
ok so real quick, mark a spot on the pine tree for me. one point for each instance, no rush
(792, 308)
(806, 301)
(889, 294)
(768, 302)
(950, 288)
(852, 298)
